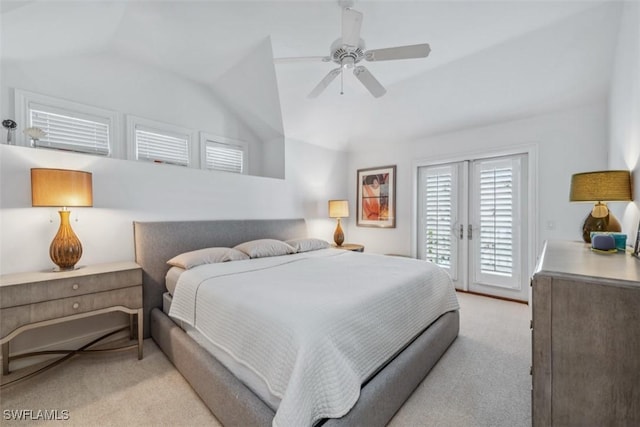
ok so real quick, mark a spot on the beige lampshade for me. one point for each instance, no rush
(61, 188)
(338, 208)
(601, 186)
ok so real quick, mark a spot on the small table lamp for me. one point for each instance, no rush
(62, 188)
(338, 209)
(600, 187)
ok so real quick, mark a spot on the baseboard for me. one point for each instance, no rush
(493, 296)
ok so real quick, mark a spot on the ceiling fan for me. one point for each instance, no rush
(349, 50)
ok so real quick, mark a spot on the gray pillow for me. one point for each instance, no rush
(265, 247)
(192, 259)
(308, 244)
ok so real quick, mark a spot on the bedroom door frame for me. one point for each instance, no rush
(530, 233)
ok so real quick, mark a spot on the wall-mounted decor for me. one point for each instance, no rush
(377, 197)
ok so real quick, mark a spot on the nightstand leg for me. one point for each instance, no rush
(131, 336)
(140, 333)
(5, 358)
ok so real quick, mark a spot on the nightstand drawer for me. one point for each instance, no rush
(56, 288)
(13, 317)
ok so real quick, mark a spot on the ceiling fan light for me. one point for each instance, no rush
(349, 50)
(348, 62)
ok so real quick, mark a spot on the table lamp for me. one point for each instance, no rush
(62, 188)
(600, 187)
(338, 209)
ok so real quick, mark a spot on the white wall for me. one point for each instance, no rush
(250, 89)
(125, 191)
(624, 117)
(568, 141)
(112, 82)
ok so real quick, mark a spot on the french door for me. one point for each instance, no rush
(472, 221)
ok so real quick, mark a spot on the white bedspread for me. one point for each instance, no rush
(314, 326)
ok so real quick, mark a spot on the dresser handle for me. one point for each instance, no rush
(75, 286)
(75, 305)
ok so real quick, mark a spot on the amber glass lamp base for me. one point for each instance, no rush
(65, 250)
(338, 235)
(606, 223)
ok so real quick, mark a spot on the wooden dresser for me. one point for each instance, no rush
(586, 337)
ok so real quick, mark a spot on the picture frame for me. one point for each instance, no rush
(376, 202)
(636, 247)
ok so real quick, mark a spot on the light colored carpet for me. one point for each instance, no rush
(482, 380)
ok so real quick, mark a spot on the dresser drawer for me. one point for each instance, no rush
(29, 293)
(13, 317)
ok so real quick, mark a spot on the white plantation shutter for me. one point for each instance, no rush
(71, 132)
(438, 217)
(224, 157)
(497, 209)
(471, 218)
(496, 220)
(157, 146)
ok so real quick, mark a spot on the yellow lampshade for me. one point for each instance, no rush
(338, 208)
(62, 188)
(601, 186)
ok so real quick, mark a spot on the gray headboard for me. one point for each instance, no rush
(157, 242)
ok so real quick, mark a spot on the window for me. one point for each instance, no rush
(159, 142)
(498, 217)
(470, 218)
(437, 187)
(223, 154)
(68, 125)
(496, 220)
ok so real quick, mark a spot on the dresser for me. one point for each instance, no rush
(35, 299)
(586, 337)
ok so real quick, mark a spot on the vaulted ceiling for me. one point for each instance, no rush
(490, 61)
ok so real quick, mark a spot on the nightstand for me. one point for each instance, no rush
(354, 247)
(33, 300)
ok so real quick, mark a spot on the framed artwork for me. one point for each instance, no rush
(376, 205)
(636, 248)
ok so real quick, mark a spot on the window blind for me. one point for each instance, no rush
(224, 157)
(163, 148)
(496, 220)
(70, 133)
(438, 221)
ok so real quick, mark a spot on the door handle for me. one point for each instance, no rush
(461, 231)
(470, 232)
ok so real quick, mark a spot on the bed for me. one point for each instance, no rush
(384, 389)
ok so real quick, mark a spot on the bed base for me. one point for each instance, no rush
(234, 404)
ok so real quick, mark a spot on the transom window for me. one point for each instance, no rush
(158, 142)
(223, 154)
(67, 126)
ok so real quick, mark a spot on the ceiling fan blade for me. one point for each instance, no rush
(288, 60)
(351, 23)
(370, 82)
(400, 52)
(324, 83)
